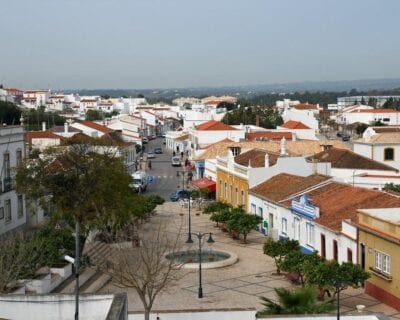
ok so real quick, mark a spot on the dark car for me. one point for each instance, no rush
(157, 150)
(339, 134)
(179, 194)
(345, 137)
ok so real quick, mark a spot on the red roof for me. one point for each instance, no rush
(40, 135)
(88, 100)
(294, 125)
(269, 135)
(204, 183)
(374, 111)
(214, 125)
(96, 126)
(306, 106)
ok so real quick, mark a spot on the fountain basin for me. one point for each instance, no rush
(210, 258)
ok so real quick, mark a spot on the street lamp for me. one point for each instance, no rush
(183, 173)
(210, 241)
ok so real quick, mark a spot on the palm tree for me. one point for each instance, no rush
(300, 301)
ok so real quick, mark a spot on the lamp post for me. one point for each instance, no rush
(210, 241)
(183, 173)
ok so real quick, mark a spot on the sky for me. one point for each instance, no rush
(138, 44)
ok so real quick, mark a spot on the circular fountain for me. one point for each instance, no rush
(209, 258)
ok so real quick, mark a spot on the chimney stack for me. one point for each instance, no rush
(283, 147)
(266, 160)
(294, 137)
(66, 127)
(44, 126)
(257, 120)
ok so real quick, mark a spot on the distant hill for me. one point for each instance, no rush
(249, 90)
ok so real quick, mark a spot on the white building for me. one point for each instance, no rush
(305, 113)
(12, 205)
(298, 129)
(368, 115)
(383, 147)
(344, 102)
(35, 98)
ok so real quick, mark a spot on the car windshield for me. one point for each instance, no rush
(137, 181)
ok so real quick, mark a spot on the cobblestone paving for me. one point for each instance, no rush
(235, 287)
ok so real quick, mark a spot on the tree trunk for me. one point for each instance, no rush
(245, 237)
(147, 313)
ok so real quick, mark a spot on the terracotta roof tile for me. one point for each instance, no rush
(305, 106)
(381, 138)
(96, 126)
(269, 135)
(214, 125)
(40, 135)
(339, 201)
(374, 111)
(386, 129)
(256, 158)
(182, 137)
(299, 148)
(346, 159)
(294, 125)
(283, 185)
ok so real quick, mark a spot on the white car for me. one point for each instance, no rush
(151, 155)
(176, 161)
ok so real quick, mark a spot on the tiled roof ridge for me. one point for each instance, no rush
(306, 190)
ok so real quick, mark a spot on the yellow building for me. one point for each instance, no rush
(235, 175)
(379, 248)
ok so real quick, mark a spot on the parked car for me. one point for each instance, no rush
(339, 134)
(345, 137)
(151, 155)
(179, 194)
(145, 140)
(164, 141)
(176, 161)
(139, 181)
(158, 151)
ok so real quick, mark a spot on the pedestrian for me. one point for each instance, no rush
(181, 155)
(149, 164)
(173, 153)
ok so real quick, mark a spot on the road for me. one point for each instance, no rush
(165, 176)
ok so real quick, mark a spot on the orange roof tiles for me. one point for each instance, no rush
(214, 125)
(294, 125)
(256, 158)
(96, 126)
(269, 135)
(338, 201)
(374, 111)
(283, 185)
(305, 106)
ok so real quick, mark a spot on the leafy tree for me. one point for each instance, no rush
(94, 115)
(9, 113)
(269, 117)
(325, 274)
(392, 187)
(300, 301)
(243, 223)
(216, 207)
(279, 249)
(221, 216)
(361, 128)
(33, 119)
(295, 261)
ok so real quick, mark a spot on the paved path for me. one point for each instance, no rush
(236, 286)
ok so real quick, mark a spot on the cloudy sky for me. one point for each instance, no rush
(137, 44)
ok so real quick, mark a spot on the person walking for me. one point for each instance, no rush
(149, 164)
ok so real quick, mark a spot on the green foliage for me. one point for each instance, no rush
(392, 187)
(325, 274)
(221, 216)
(33, 119)
(94, 115)
(300, 301)
(242, 223)
(216, 206)
(392, 103)
(84, 185)
(295, 262)
(200, 193)
(269, 117)
(361, 128)
(279, 249)
(9, 113)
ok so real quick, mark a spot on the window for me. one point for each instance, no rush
(260, 212)
(388, 154)
(235, 151)
(253, 208)
(2, 213)
(7, 209)
(237, 196)
(220, 188)
(349, 255)
(323, 246)
(20, 212)
(382, 262)
(231, 194)
(335, 250)
(19, 157)
(310, 234)
(242, 197)
(296, 226)
(284, 226)
(6, 165)
(226, 190)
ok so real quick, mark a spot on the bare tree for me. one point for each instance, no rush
(20, 257)
(144, 267)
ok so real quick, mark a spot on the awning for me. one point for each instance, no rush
(205, 183)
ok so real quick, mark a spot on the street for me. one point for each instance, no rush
(164, 176)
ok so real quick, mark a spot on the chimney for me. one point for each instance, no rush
(266, 160)
(44, 126)
(257, 120)
(294, 137)
(283, 147)
(66, 127)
